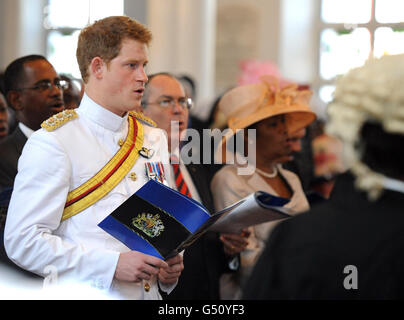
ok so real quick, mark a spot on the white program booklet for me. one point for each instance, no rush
(258, 207)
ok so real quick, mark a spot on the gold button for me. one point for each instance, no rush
(146, 287)
(120, 142)
(133, 176)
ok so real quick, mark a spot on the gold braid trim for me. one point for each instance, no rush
(142, 117)
(59, 119)
(101, 187)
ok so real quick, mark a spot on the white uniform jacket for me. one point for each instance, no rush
(53, 164)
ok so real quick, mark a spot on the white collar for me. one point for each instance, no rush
(100, 114)
(25, 130)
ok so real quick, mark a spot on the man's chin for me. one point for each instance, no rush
(137, 108)
(134, 106)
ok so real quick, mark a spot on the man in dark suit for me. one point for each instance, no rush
(10, 150)
(350, 247)
(165, 102)
(34, 90)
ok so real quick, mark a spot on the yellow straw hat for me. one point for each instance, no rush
(252, 103)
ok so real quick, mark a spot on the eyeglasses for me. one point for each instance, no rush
(47, 85)
(185, 103)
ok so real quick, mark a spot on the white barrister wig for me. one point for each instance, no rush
(373, 92)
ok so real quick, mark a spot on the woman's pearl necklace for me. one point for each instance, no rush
(266, 174)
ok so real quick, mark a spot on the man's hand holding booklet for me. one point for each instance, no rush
(162, 222)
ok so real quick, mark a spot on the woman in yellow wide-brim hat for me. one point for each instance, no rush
(278, 116)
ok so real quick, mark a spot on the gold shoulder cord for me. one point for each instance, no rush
(142, 117)
(110, 175)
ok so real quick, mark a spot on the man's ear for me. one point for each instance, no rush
(97, 67)
(14, 99)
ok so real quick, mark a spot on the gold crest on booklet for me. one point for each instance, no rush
(149, 224)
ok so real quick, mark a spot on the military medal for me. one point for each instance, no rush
(155, 171)
(146, 153)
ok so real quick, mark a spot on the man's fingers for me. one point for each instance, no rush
(173, 271)
(141, 276)
(174, 260)
(170, 273)
(168, 277)
(135, 266)
(178, 267)
(150, 270)
(156, 262)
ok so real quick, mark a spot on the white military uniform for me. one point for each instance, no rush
(53, 164)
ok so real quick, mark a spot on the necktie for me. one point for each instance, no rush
(179, 179)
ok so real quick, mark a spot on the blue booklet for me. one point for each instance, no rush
(160, 221)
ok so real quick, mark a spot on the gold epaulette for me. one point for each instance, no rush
(59, 119)
(143, 118)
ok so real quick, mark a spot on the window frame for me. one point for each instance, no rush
(372, 25)
(67, 30)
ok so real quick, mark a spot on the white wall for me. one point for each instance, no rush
(298, 40)
(184, 40)
(136, 9)
(21, 29)
(246, 30)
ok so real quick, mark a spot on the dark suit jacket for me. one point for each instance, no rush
(10, 151)
(204, 260)
(306, 255)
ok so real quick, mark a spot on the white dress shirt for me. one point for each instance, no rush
(53, 164)
(25, 130)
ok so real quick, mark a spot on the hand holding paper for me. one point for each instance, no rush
(171, 274)
(135, 266)
(234, 243)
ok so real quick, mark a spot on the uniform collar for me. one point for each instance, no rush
(100, 115)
